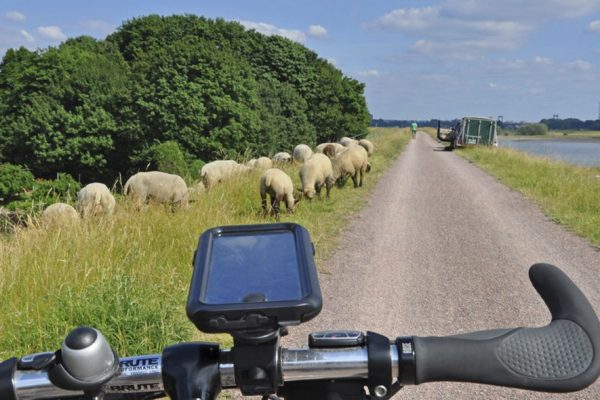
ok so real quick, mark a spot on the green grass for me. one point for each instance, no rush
(566, 134)
(568, 194)
(128, 275)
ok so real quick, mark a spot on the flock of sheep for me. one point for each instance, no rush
(329, 162)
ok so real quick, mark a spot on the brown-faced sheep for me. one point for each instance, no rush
(367, 145)
(301, 153)
(95, 199)
(282, 158)
(59, 214)
(219, 170)
(346, 141)
(329, 149)
(278, 185)
(352, 162)
(157, 186)
(314, 173)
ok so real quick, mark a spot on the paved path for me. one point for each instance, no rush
(443, 248)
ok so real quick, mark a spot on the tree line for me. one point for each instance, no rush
(186, 87)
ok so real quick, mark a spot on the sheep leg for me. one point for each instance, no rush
(362, 172)
(354, 179)
(263, 202)
(318, 190)
(276, 208)
(328, 185)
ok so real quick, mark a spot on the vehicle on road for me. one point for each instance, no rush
(470, 131)
(254, 282)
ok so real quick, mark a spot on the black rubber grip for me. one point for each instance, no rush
(560, 357)
(7, 370)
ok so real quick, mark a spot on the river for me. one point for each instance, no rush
(580, 151)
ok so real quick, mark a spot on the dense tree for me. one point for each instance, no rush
(97, 108)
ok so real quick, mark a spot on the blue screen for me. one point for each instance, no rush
(257, 266)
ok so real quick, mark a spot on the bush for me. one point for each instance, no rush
(533, 129)
(168, 157)
(194, 168)
(64, 187)
(14, 179)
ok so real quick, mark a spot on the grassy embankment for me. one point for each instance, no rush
(567, 194)
(566, 135)
(128, 275)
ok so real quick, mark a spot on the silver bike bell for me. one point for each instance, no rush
(87, 356)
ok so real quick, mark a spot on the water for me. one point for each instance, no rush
(583, 152)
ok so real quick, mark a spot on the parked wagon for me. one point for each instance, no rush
(470, 131)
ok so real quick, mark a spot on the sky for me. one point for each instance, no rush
(420, 59)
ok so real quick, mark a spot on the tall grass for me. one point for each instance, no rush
(568, 194)
(128, 275)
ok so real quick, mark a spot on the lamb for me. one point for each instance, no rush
(282, 157)
(346, 141)
(314, 173)
(95, 199)
(301, 153)
(278, 185)
(367, 145)
(352, 162)
(217, 171)
(158, 186)
(59, 214)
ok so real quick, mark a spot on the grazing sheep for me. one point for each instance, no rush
(301, 153)
(326, 148)
(352, 162)
(260, 163)
(95, 199)
(314, 173)
(59, 214)
(217, 171)
(367, 145)
(346, 141)
(158, 186)
(282, 157)
(278, 185)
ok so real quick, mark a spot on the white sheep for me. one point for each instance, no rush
(301, 153)
(217, 171)
(346, 141)
(260, 163)
(95, 199)
(157, 186)
(59, 214)
(330, 149)
(278, 185)
(368, 145)
(282, 157)
(352, 162)
(314, 173)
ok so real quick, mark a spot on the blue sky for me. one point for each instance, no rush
(420, 59)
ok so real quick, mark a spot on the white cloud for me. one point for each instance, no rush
(27, 36)
(51, 32)
(317, 31)
(530, 10)
(99, 26)
(332, 61)
(543, 60)
(492, 85)
(369, 72)
(582, 65)
(594, 26)
(445, 36)
(15, 16)
(268, 29)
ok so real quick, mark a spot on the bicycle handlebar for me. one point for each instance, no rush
(562, 356)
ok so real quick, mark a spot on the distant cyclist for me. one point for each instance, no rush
(413, 129)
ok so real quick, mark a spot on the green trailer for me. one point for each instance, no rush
(470, 131)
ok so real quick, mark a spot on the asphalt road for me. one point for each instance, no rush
(442, 248)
